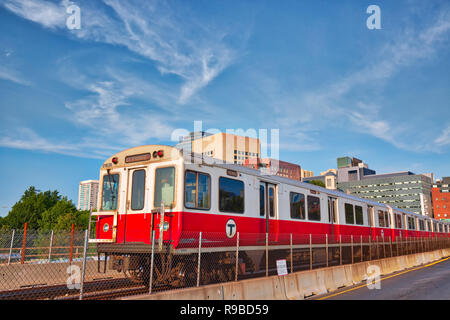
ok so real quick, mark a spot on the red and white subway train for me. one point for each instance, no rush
(221, 200)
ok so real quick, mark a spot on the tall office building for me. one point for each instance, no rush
(88, 195)
(404, 190)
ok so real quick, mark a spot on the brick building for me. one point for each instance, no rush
(441, 198)
(275, 167)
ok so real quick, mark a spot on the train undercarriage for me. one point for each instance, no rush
(178, 269)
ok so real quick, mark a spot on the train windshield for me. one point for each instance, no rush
(164, 186)
(110, 192)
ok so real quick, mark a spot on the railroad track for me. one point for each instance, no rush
(63, 292)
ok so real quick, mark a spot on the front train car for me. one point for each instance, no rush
(139, 188)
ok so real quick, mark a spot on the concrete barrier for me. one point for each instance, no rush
(271, 288)
(297, 286)
(293, 291)
(359, 272)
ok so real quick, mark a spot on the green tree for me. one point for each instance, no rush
(317, 183)
(51, 216)
(30, 208)
(44, 211)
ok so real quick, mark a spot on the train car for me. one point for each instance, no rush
(158, 191)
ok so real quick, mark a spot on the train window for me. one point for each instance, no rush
(297, 206)
(381, 223)
(231, 195)
(110, 191)
(435, 227)
(138, 190)
(359, 215)
(387, 221)
(411, 225)
(313, 208)
(262, 200)
(165, 186)
(197, 190)
(271, 201)
(349, 217)
(398, 221)
(421, 225)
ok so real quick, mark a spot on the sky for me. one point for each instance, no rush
(136, 71)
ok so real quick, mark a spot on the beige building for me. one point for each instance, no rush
(306, 173)
(229, 148)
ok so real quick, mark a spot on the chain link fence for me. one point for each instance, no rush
(64, 265)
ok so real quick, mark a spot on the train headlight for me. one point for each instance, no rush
(105, 227)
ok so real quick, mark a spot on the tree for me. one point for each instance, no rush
(30, 208)
(44, 211)
(51, 217)
(317, 183)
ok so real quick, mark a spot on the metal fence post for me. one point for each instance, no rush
(71, 246)
(370, 248)
(362, 250)
(390, 244)
(267, 254)
(292, 257)
(326, 246)
(351, 239)
(50, 247)
(378, 251)
(150, 282)
(310, 252)
(11, 247)
(24, 243)
(86, 241)
(384, 246)
(340, 249)
(199, 257)
(237, 257)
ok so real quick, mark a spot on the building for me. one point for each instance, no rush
(404, 190)
(352, 169)
(229, 148)
(306, 173)
(87, 195)
(275, 167)
(440, 193)
(329, 179)
(185, 143)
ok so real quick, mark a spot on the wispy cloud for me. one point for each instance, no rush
(444, 138)
(12, 75)
(177, 43)
(342, 100)
(28, 139)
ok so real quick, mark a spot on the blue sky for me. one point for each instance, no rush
(137, 70)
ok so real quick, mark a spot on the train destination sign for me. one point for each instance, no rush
(138, 157)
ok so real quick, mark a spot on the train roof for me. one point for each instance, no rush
(274, 178)
(140, 154)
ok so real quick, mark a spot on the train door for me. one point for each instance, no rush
(134, 213)
(268, 209)
(332, 217)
